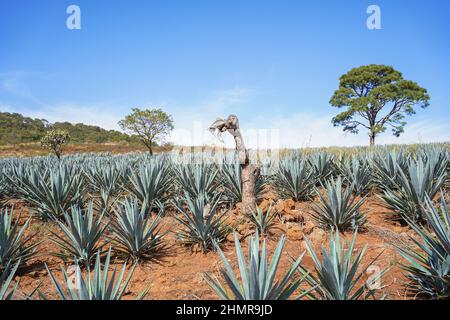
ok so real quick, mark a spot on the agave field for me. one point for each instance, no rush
(369, 223)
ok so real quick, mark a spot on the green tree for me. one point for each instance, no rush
(54, 139)
(151, 125)
(376, 97)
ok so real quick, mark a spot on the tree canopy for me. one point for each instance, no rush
(151, 125)
(16, 128)
(376, 97)
(54, 139)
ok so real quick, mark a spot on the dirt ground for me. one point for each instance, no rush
(178, 274)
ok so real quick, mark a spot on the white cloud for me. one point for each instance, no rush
(308, 130)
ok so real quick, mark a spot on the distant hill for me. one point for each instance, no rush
(16, 128)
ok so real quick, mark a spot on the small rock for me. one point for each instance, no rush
(230, 237)
(295, 233)
(308, 227)
(288, 218)
(317, 235)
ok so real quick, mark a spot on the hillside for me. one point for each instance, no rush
(16, 128)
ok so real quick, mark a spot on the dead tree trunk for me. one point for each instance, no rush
(249, 172)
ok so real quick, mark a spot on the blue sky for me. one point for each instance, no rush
(273, 63)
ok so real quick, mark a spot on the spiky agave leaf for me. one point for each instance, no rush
(387, 165)
(51, 191)
(428, 268)
(104, 184)
(263, 221)
(322, 164)
(81, 232)
(294, 179)
(257, 275)
(197, 178)
(232, 182)
(337, 273)
(414, 186)
(358, 172)
(203, 221)
(96, 285)
(135, 232)
(151, 183)
(338, 209)
(6, 277)
(14, 245)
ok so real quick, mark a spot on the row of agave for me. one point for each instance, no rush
(337, 275)
(202, 192)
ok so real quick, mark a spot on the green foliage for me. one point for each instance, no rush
(428, 269)
(136, 234)
(96, 285)
(51, 191)
(54, 139)
(231, 176)
(294, 179)
(263, 221)
(197, 179)
(337, 274)
(16, 128)
(257, 276)
(338, 209)
(104, 184)
(376, 97)
(387, 166)
(150, 125)
(6, 276)
(14, 245)
(424, 178)
(322, 164)
(358, 173)
(151, 183)
(81, 232)
(203, 221)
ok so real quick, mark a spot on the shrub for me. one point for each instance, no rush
(428, 269)
(338, 209)
(257, 276)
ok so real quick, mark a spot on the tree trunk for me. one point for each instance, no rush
(149, 146)
(372, 139)
(249, 171)
(57, 150)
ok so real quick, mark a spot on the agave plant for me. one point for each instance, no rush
(104, 182)
(136, 234)
(339, 209)
(232, 182)
(203, 221)
(263, 221)
(96, 285)
(6, 276)
(422, 180)
(359, 174)
(294, 179)
(428, 269)
(257, 276)
(196, 179)
(337, 274)
(387, 166)
(14, 245)
(151, 183)
(321, 164)
(81, 232)
(51, 192)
